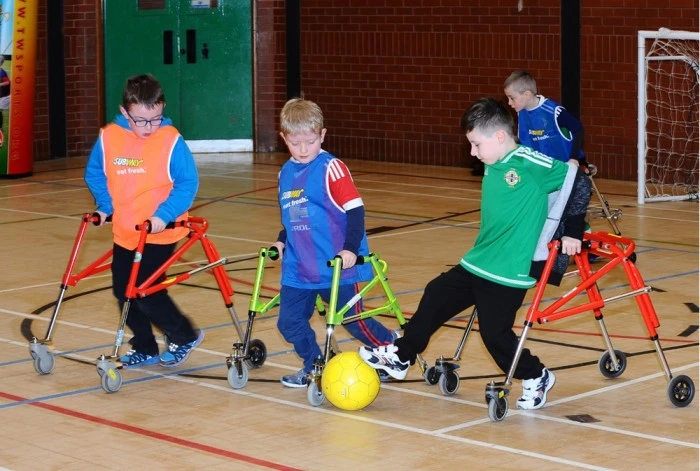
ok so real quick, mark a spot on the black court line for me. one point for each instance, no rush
(380, 229)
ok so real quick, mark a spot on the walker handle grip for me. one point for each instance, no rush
(360, 261)
(273, 253)
(585, 244)
(170, 225)
(95, 218)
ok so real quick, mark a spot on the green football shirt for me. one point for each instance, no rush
(513, 212)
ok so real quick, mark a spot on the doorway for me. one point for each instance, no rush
(200, 51)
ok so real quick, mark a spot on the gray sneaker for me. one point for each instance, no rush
(384, 377)
(296, 380)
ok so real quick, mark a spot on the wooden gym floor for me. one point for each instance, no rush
(421, 220)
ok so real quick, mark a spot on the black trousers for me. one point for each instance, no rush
(157, 309)
(456, 290)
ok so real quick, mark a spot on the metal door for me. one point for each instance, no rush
(200, 51)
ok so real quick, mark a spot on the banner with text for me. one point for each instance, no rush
(18, 44)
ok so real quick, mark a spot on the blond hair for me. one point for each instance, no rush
(521, 82)
(299, 115)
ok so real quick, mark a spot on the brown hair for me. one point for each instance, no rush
(142, 90)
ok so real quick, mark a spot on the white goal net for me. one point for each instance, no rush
(668, 122)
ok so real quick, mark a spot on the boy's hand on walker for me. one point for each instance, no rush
(157, 225)
(348, 257)
(570, 246)
(103, 218)
(280, 248)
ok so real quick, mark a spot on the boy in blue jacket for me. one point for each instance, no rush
(140, 168)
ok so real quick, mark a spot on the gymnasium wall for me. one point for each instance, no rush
(394, 77)
(81, 48)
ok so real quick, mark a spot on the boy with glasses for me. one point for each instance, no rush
(140, 168)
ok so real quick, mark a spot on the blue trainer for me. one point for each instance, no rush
(176, 354)
(384, 377)
(296, 380)
(132, 359)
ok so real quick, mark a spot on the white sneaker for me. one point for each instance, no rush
(535, 391)
(384, 358)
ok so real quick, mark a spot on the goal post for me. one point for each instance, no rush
(668, 123)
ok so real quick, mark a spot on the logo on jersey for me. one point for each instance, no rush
(292, 194)
(512, 178)
(127, 162)
(538, 135)
(130, 165)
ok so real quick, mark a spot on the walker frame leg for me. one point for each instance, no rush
(41, 350)
(443, 373)
(619, 251)
(337, 316)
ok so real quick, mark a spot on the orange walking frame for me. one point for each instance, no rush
(108, 366)
(616, 251)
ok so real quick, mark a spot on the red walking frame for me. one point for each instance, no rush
(616, 251)
(108, 365)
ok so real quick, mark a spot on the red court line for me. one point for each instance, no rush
(152, 434)
(535, 328)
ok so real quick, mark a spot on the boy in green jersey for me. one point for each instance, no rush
(495, 274)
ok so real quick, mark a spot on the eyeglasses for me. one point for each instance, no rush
(142, 123)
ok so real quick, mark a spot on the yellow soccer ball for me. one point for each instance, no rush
(349, 383)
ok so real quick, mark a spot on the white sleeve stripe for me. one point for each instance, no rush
(352, 204)
(104, 156)
(336, 170)
(537, 158)
(170, 157)
(539, 161)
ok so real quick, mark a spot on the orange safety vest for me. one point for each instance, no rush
(138, 179)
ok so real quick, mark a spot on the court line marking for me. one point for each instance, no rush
(382, 423)
(47, 182)
(60, 216)
(42, 194)
(367, 190)
(153, 434)
(639, 216)
(426, 394)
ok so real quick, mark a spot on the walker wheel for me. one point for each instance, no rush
(43, 363)
(432, 376)
(681, 391)
(314, 394)
(498, 408)
(633, 257)
(605, 364)
(449, 383)
(234, 379)
(258, 354)
(111, 380)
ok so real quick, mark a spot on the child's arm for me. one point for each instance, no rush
(96, 180)
(183, 172)
(574, 216)
(354, 232)
(345, 195)
(281, 242)
(566, 120)
(549, 173)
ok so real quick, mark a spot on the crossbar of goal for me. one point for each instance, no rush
(642, 37)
